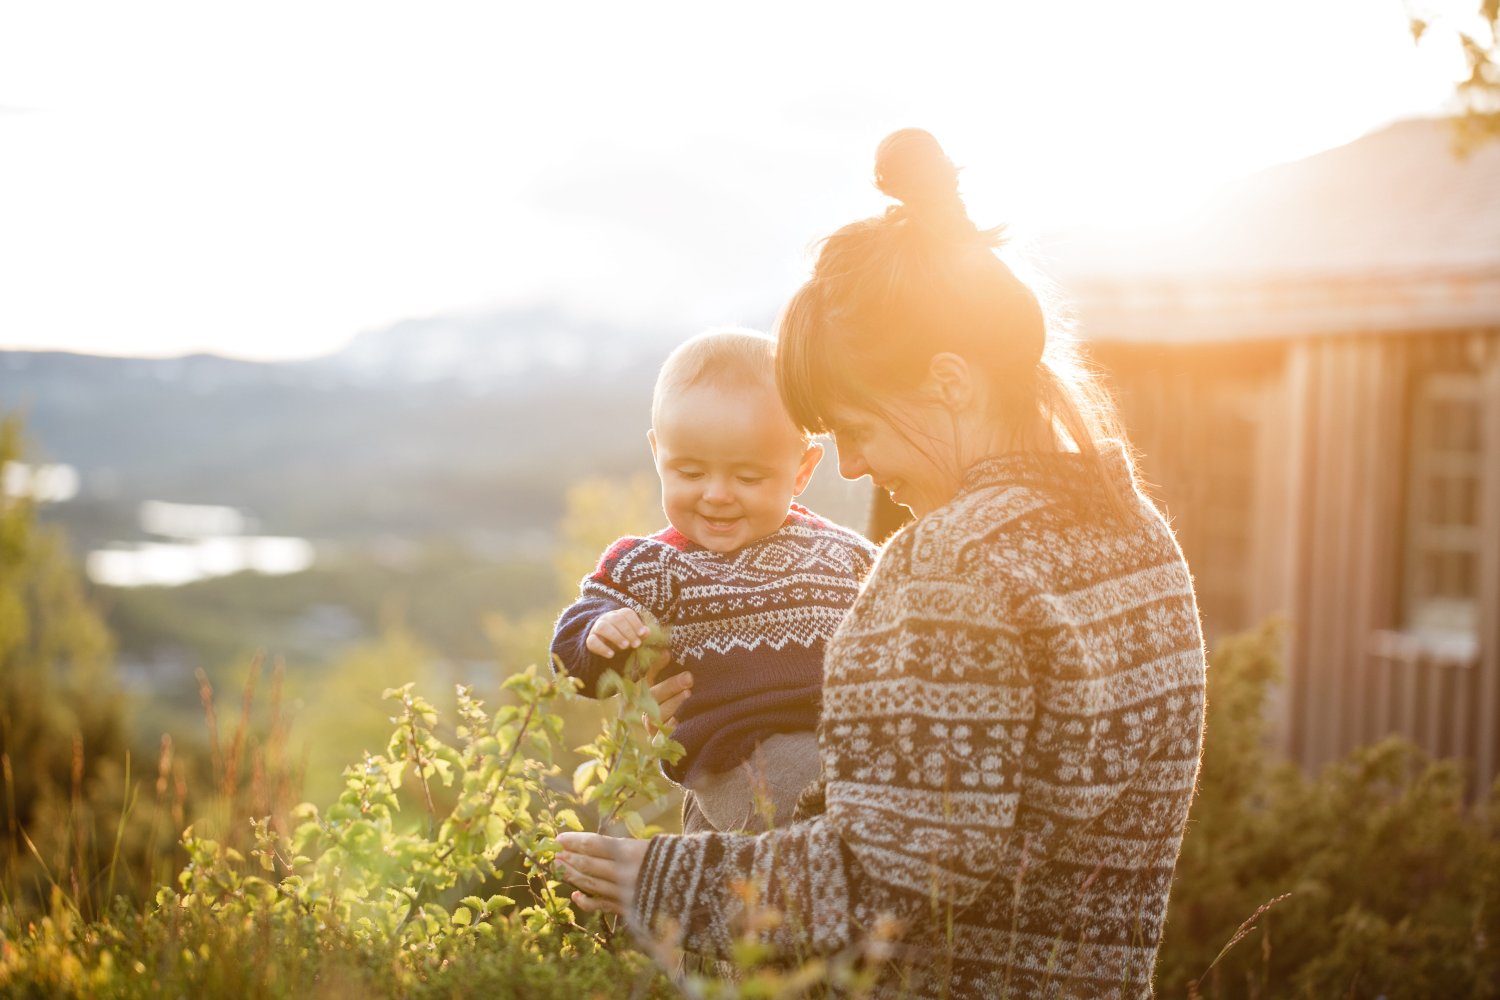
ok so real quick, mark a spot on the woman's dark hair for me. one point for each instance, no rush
(889, 292)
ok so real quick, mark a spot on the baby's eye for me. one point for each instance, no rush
(752, 480)
(689, 474)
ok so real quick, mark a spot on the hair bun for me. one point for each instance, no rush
(911, 167)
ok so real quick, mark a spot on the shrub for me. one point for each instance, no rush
(62, 738)
(395, 888)
(1384, 881)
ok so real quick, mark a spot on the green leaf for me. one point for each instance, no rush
(656, 646)
(583, 774)
(569, 818)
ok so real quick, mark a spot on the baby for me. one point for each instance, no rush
(749, 584)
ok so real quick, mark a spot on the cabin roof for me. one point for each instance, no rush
(1392, 232)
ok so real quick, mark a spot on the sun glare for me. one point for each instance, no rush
(164, 193)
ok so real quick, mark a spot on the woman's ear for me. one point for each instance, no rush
(810, 459)
(950, 380)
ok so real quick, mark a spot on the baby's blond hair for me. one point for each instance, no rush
(729, 357)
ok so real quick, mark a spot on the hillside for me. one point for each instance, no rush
(420, 430)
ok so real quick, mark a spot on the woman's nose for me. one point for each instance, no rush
(852, 464)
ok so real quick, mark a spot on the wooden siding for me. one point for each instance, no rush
(1349, 512)
(1487, 700)
(1284, 468)
(1197, 419)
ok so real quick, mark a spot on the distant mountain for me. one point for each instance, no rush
(465, 427)
(489, 348)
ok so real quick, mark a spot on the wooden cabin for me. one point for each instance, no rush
(1310, 369)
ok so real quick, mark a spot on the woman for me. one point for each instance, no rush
(1012, 710)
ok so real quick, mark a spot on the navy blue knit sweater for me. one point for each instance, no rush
(750, 625)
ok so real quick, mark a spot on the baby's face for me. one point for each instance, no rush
(730, 463)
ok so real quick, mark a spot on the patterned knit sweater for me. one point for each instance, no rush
(750, 624)
(1012, 721)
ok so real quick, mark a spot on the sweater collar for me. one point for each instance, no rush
(1064, 472)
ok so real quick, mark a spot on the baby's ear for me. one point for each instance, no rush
(810, 459)
(651, 437)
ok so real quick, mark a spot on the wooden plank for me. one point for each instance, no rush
(1454, 740)
(1379, 575)
(1337, 526)
(1468, 716)
(1408, 690)
(1362, 535)
(1273, 527)
(1434, 678)
(1383, 710)
(1302, 407)
(1487, 723)
(1321, 621)
(1395, 379)
(1268, 485)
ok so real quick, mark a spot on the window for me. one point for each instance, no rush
(1443, 504)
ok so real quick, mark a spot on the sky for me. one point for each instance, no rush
(267, 180)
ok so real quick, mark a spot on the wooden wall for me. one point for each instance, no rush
(1283, 467)
(1198, 420)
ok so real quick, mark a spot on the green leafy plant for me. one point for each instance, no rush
(1374, 878)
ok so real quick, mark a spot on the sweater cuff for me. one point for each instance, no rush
(683, 894)
(647, 902)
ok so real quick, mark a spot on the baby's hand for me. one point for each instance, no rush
(618, 629)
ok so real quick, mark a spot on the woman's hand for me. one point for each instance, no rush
(669, 694)
(604, 869)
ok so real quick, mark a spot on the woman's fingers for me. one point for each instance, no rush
(605, 869)
(662, 691)
(597, 871)
(597, 846)
(671, 705)
(669, 695)
(654, 671)
(589, 904)
(594, 845)
(601, 886)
